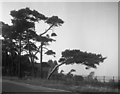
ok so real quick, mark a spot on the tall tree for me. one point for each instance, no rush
(9, 49)
(24, 36)
(24, 25)
(44, 38)
(90, 60)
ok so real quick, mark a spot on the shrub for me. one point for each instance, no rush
(78, 78)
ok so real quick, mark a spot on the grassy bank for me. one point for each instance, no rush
(68, 85)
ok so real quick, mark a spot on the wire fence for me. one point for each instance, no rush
(106, 78)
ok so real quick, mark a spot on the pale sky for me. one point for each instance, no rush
(89, 26)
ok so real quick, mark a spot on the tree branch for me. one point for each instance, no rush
(47, 30)
(38, 50)
(45, 48)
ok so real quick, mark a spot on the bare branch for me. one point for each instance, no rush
(37, 50)
(45, 48)
(47, 30)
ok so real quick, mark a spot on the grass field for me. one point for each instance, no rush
(68, 85)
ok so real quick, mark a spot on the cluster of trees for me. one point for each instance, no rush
(19, 47)
(19, 40)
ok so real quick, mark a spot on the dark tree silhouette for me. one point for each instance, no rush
(9, 49)
(23, 33)
(24, 25)
(44, 38)
(90, 60)
(10, 52)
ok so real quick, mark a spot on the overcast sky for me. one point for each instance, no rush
(91, 27)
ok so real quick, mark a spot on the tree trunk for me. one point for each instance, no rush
(33, 70)
(41, 74)
(32, 62)
(53, 70)
(19, 65)
(11, 70)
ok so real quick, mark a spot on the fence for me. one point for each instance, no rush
(106, 78)
(87, 78)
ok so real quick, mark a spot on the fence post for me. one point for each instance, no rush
(113, 79)
(104, 79)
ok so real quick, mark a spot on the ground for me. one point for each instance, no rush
(13, 84)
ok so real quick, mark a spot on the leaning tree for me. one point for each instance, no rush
(90, 60)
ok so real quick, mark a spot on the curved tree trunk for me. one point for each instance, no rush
(53, 70)
(41, 50)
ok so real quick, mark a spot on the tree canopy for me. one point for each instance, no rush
(21, 36)
(80, 57)
(91, 60)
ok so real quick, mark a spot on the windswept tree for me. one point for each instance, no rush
(90, 60)
(44, 38)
